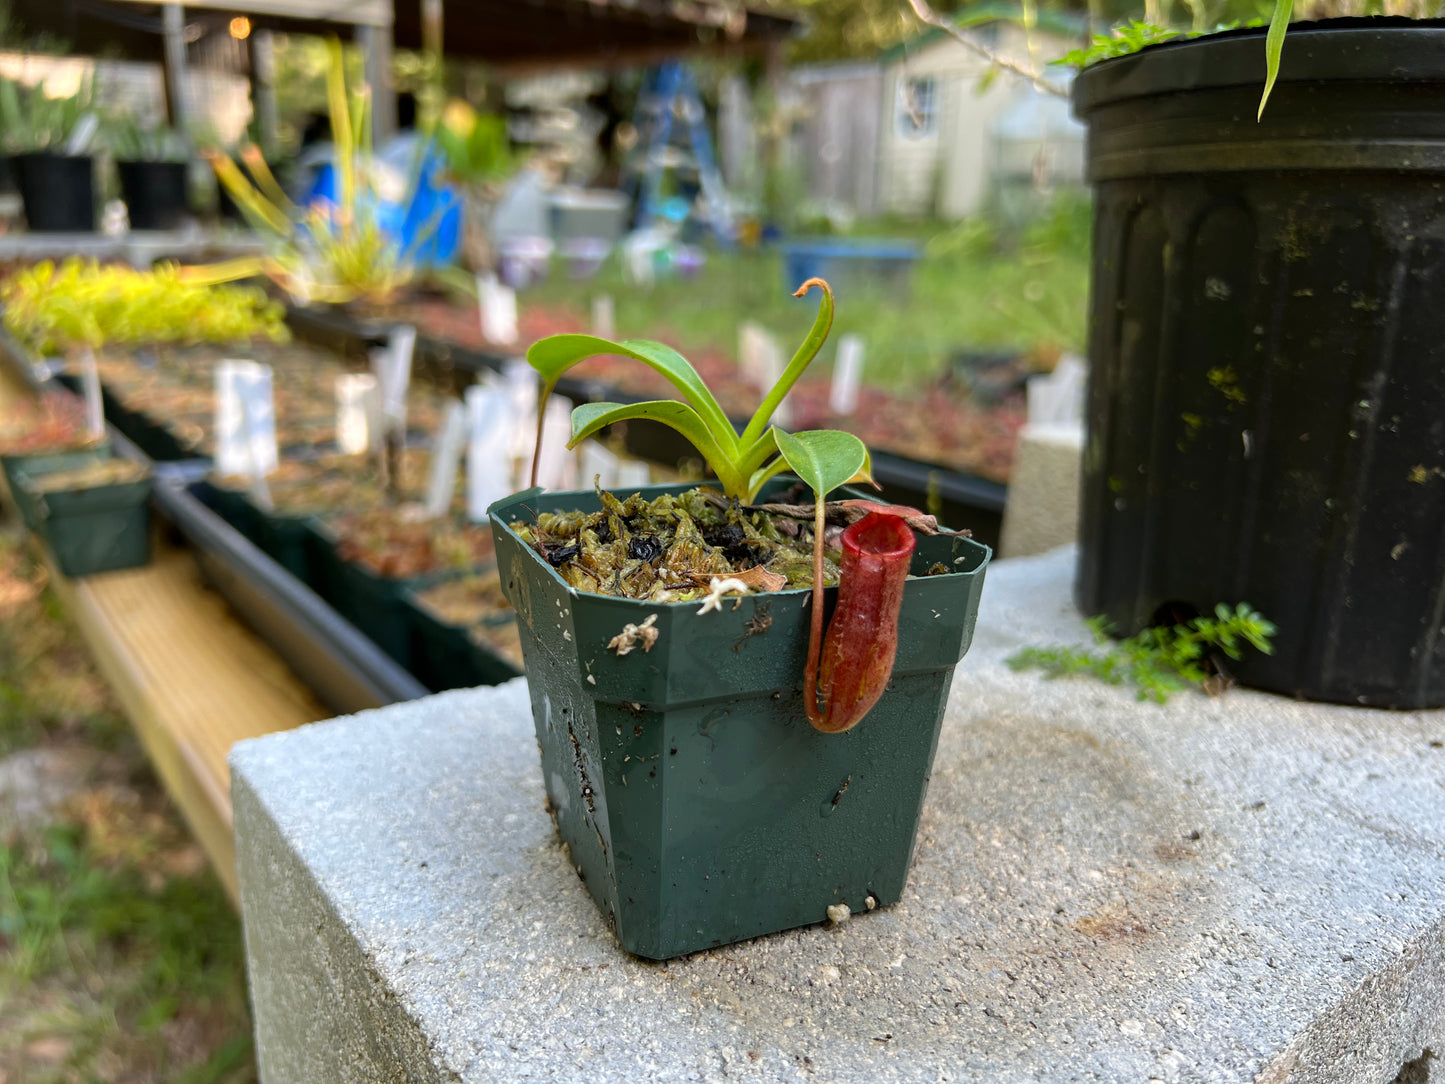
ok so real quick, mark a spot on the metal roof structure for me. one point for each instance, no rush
(512, 34)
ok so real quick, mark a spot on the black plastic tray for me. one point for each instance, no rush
(344, 668)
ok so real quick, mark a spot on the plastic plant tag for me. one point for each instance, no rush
(392, 367)
(521, 383)
(358, 412)
(760, 357)
(94, 405)
(83, 132)
(632, 475)
(597, 463)
(498, 306)
(489, 448)
(556, 466)
(604, 317)
(847, 375)
(253, 421)
(446, 456)
(1057, 398)
(245, 419)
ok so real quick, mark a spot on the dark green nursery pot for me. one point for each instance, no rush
(698, 804)
(101, 529)
(36, 464)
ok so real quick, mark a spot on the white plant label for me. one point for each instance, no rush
(498, 305)
(632, 475)
(847, 375)
(760, 357)
(445, 460)
(358, 412)
(604, 317)
(556, 466)
(522, 385)
(489, 448)
(1057, 398)
(253, 422)
(94, 405)
(597, 463)
(392, 366)
(245, 419)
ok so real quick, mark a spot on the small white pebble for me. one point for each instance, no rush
(591, 680)
(871, 902)
(838, 912)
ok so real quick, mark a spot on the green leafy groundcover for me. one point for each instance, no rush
(1157, 661)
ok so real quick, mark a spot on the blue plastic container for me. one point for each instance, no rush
(850, 264)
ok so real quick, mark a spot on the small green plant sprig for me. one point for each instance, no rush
(1157, 661)
(1135, 35)
(823, 458)
(81, 303)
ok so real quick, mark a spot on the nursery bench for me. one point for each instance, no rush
(192, 679)
(1239, 889)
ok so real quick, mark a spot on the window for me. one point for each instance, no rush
(917, 115)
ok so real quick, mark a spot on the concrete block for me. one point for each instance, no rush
(1244, 889)
(1043, 490)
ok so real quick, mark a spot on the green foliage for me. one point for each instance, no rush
(1136, 34)
(131, 141)
(327, 253)
(1274, 48)
(82, 303)
(475, 145)
(31, 120)
(1157, 661)
(741, 463)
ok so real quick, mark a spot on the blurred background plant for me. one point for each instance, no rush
(81, 303)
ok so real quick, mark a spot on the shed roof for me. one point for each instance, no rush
(514, 34)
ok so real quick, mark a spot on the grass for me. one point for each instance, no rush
(971, 290)
(120, 956)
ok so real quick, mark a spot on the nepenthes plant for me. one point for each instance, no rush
(849, 666)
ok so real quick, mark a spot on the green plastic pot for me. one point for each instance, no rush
(102, 529)
(43, 463)
(445, 656)
(698, 804)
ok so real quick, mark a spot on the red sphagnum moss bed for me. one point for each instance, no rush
(936, 424)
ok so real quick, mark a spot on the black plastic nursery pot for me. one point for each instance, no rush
(156, 194)
(1268, 350)
(101, 529)
(57, 191)
(698, 804)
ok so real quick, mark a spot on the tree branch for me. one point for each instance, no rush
(926, 14)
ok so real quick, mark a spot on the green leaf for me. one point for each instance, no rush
(590, 417)
(1273, 48)
(824, 458)
(554, 355)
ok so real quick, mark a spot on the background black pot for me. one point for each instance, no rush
(58, 191)
(1267, 399)
(155, 193)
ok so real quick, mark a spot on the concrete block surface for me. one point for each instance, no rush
(1242, 889)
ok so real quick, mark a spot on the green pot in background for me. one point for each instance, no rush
(99, 529)
(43, 463)
(698, 804)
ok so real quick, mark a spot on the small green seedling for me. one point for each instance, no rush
(1157, 661)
